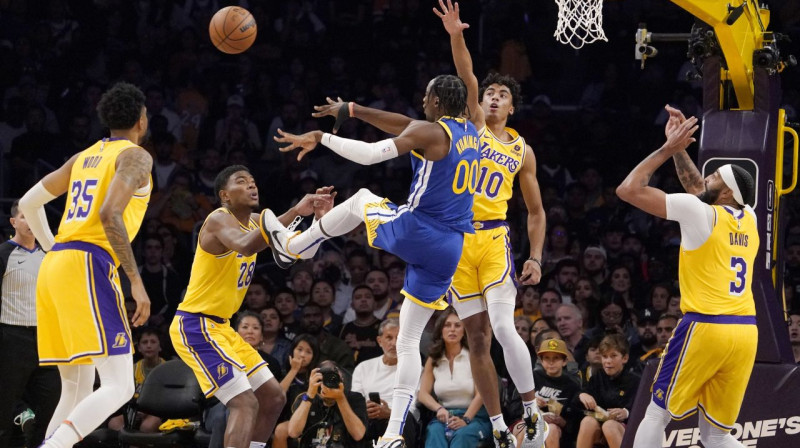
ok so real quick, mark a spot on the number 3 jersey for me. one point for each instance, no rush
(89, 183)
(218, 283)
(716, 276)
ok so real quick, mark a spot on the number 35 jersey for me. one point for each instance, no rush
(218, 283)
(716, 277)
(89, 183)
(500, 163)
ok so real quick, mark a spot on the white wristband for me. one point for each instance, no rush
(32, 206)
(361, 152)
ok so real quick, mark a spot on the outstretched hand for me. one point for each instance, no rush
(338, 109)
(323, 206)
(306, 142)
(307, 205)
(450, 16)
(680, 136)
(675, 118)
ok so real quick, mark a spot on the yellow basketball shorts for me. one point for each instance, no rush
(212, 349)
(486, 262)
(707, 365)
(80, 309)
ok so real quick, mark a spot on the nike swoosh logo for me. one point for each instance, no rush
(496, 237)
(20, 262)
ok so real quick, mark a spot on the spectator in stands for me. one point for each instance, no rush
(569, 322)
(397, 273)
(156, 105)
(586, 297)
(286, 304)
(362, 333)
(594, 362)
(594, 264)
(378, 281)
(149, 346)
(329, 415)
(523, 326)
(556, 394)
(549, 301)
(620, 284)
(565, 275)
(539, 325)
(301, 279)
(249, 326)
(610, 394)
(614, 317)
(272, 342)
(556, 249)
(659, 297)
(257, 297)
(460, 419)
(330, 346)
(674, 304)
(161, 282)
(664, 328)
(530, 299)
(322, 295)
(647, 347)
(612, 240)
(303, 357)
(376, 376)
(794, 334)
(357, 266)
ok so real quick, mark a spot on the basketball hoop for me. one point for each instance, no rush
(580, 22)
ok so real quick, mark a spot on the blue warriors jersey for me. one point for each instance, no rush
(444, 189)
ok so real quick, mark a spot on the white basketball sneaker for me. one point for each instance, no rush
(390, 442)
(504, 439)
(536, 431)
(278, 239)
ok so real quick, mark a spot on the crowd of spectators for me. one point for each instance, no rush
(609, 287)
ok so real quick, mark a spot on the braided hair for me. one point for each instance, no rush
(452, 94)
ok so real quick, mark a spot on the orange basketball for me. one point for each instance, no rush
(232, 30)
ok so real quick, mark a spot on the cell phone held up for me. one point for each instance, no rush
(375, 397)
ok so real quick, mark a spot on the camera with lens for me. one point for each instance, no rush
(330, 377)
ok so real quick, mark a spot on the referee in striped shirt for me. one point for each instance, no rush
(22, 380)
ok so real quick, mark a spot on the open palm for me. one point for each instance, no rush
(450, 16)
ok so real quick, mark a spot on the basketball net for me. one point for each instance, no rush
(580, 22)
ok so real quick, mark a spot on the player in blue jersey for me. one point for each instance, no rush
(427, 232)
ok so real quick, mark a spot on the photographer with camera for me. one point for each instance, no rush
(328, 415)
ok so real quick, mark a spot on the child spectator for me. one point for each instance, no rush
(609, 394)
(556, 393)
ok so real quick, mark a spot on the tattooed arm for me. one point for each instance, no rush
(133, 172)
(689, 175)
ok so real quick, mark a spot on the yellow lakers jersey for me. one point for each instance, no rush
(89, 181)
(500, 163)
(716, 277)
(218, 283)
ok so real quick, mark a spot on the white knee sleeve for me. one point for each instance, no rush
(77, 382)
(413, 318)
(714, 437)
(651, 429)
(500, 302)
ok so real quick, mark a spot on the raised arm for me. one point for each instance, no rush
(532, 269)
(133, 172)
(450, 15)
(388, 122)
(689, 175)
(32, 203)
(635, 190)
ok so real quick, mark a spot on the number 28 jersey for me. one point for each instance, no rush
(716, 278)
(218, 283)
(89, 181)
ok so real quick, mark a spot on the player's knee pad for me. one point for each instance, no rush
(360, 199)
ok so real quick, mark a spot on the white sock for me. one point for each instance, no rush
(258, 444)
(651, 429)
(500, 303)
(529, 408)
(413, 318)
(498, 424)
(340, 220)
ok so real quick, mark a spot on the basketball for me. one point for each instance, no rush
(232, 30)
